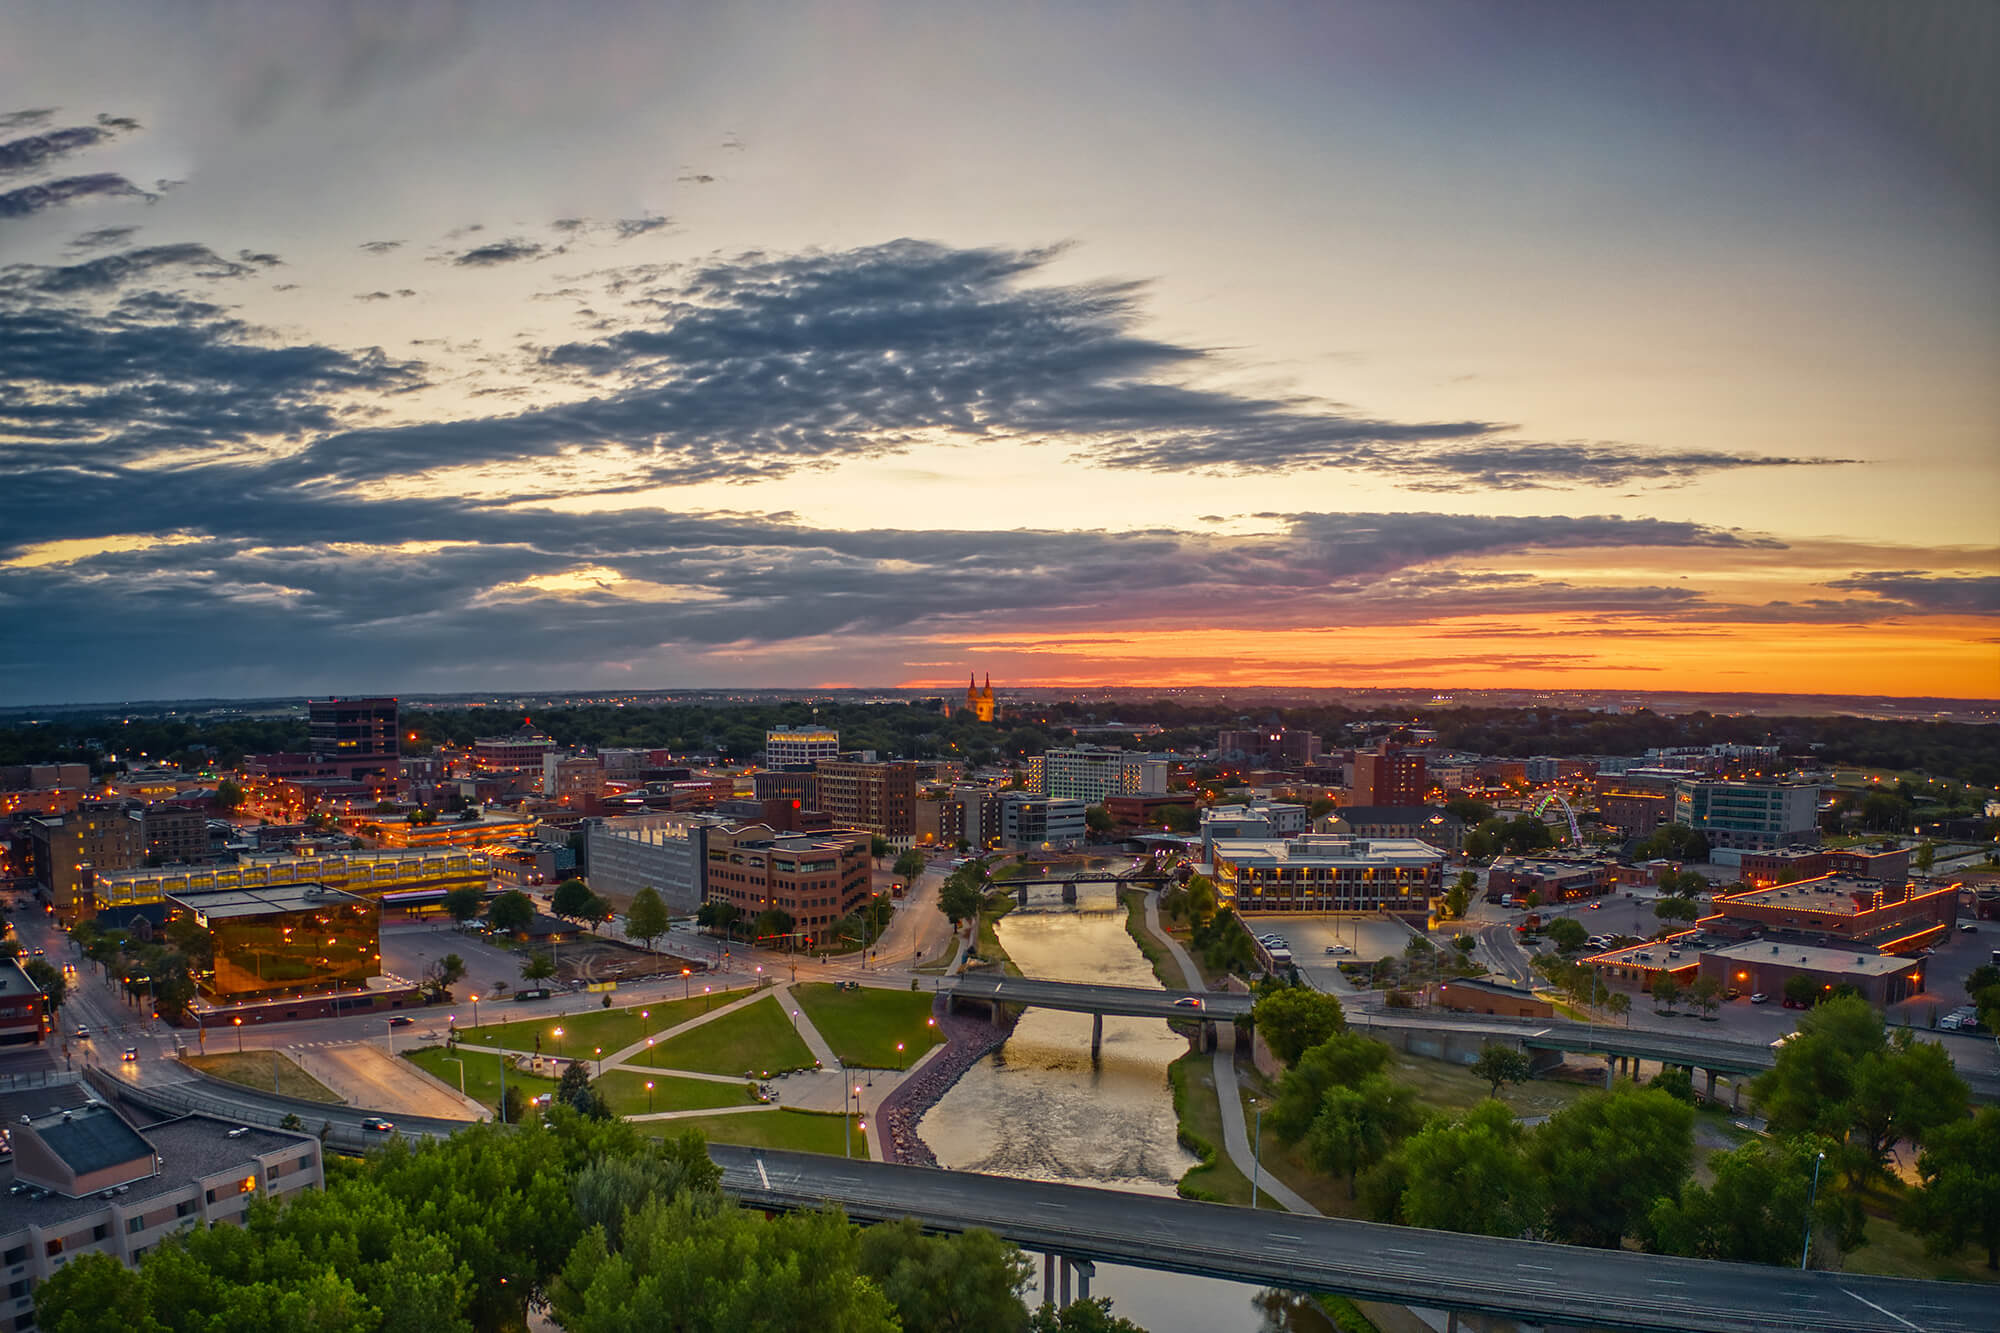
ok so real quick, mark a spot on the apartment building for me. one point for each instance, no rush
(800, 747)
(815, 878)
(65, 850)
(878, 797)
(1090, 773)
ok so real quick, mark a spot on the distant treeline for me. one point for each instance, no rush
(920, 730)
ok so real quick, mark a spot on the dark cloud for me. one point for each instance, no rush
(639, 226)
(379, 247)
(261, 258)
(122, 123)
(499, 252)
(19, 120)
(1932, 594)
(570, 224)
(125, 267)
(102, 238)
(49, 194)
(695, 178)
(39, 149)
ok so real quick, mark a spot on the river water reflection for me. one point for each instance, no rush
(1041, 1109)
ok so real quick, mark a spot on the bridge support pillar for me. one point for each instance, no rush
(1065, 1283)
(1096, 1036)
(1085, 1270)
(1709, 1095)
(1610, 1071)
(1023, 895)
(1049, 1278)
(1208, 1037)
(1736, 1094)
(1069, 892)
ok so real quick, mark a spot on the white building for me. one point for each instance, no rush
(1259, 819)
(1039, 823)
(664, 851)
(1748, 816)
(1320, 872)
(1089, 773)
(800, 747)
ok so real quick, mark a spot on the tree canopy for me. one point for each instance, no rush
(1294, 1020)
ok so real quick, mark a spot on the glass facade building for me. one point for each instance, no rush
(297, 939)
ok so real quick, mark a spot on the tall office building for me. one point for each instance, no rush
(1749, 816)
(65, 850)
(361, 737)
(1392, 775)
(1089, 773)
(881, 798)
(800, 747)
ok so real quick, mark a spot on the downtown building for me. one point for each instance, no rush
(1030, 823)
(360, 739)
(664, 852)
(1738, 817)
(1090, 773)
(878, 797)
(814, 878)
(1390, 775)
(1318, 872)
(800, 747)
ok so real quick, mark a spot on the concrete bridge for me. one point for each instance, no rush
(1020, 887)
(1512, 1279)
(1207, 1007)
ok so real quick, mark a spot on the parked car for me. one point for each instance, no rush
(1759, 998)
(1338, 949)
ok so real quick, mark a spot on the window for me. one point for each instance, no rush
(16, 1290)
(134, 1225)
(184, 1207)
(100, 1231)
(17, 1255)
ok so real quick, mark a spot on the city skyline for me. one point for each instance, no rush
(428, 348)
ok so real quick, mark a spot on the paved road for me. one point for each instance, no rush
(1509, 1278)
(1077, 997)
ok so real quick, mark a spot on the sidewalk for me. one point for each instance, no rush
(1235, 1135)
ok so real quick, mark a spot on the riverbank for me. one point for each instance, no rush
(968, 1040)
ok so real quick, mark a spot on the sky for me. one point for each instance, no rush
(425, 347)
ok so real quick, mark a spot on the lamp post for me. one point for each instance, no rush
(1257, 1156)
(475, 1012)
(1811, 1197)
(598, 1053)
(559, 1043)
(647, 1015)
(687, 982)
(239, 1036)
(649, 1096)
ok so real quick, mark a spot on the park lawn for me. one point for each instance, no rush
(583, 1032)
(866, 1026)
(1165, 971)
(1892, 1251)
(254, 1069)
(756, 1038)
(1200, 1111)
(988, 945)
(1444, 1086)
(625, 1091)
(801, 1131)
(482, 1074)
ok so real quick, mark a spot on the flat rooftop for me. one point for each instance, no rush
(225, 904)
(1654, 953)
(14, 981)
(1832, 894)
(1328, 849)
(1817, 959)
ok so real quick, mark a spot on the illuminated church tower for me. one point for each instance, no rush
(979, 702)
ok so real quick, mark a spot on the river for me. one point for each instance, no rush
(1041, 1109)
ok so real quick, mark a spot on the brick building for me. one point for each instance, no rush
(815, 878)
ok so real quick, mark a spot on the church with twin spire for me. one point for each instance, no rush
(979, 702)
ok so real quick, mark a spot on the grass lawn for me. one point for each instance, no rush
(865, 1026)
(1444, 1086)
(626, 1092)
(1200, 1113)
(482, 1074)
(1165, 970)
(756, 1037)
(988, 945)
(612, 1029)
(1893, 1252)
(802, 1131)
(255, 1069)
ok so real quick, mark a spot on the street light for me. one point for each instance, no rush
(559, 1043)
(475, 1012)
(649, 1096)
(1810, 1198)
(1257, 1155)
(598, 1052)
(687, 982)
(647, 1014)
(239, 1036)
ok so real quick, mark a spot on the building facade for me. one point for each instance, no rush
(1749, 816)
(65, 851)
(173, 834)
(360, 738)
(1426, 823)
(800, 747)
(299, 939)
(979, 702)
(665, 852)
(24, 1010)
(524, 749)
(1319, 872)
(880, 797)
(1391, 775)
(815, 878)
(1040, 823)
(1090, 773)
(369, 874)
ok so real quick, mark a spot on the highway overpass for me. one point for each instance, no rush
(1514, 1279)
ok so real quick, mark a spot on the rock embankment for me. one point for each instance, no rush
(969, 1038)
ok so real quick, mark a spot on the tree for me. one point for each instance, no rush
(575, 1091)
(1673, 842)
(1675, 908)
(878, 846)
(1465, 944)
(464, 903)
(1294, 1020)
(440, 975)
(1532, 899)
(1619, 1005)
(1180, 819)
(1754, 1212)
(1925, 857)
(1801, 990)
(1666, 991)
(1706, 994)
(1983, 989)
(573, 900)
(718, 915)
(1499, 1064)
(963, 893)
(956, 1284)
(1676, 1082)
(1081, 1316)
(1612, 1154)
(1341, 1061)
(1098, 820)
(1568, 933)
(1957, 1201)
(1459, 896)
(647, 918)
(539, 968)
(1357, 1126)
(228, 794)
(1471, 810)
(1470, 1175)
(773, 921)
(53, 985)
(511, 913)
(910, 865)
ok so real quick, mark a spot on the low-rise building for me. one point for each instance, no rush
(1259, 819)
(84, 1180)
(299, 939)
(800, 747)
(369, 874)
(1473, 996)
(815, 878)
(1789, 865)
(1766, 965)
(24, 1010)
(1426, 823)
(1040, 823)
(1556, 881)
(663, 851)
(1739, 817)
(1320, 872)
(1841, 911)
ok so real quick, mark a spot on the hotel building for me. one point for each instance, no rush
(1320, 872)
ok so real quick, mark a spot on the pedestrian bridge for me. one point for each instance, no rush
(1511, 1279)
(1083, 998)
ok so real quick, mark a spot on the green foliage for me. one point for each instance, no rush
(1097, 819)
(511, 912)
(53, 985)
(1957, 1201)
(963, 893)
(647, 918)
(1568, 934)
(539, 967)
(1608, 1157)
(1091, 1316)
(1754, 1213)
(910, 865)
(1341, 1061)
(574, 1091)
(439, 976)
(228, 794)
(1676, 1082)
(1470, 1175)
(463, 904)
(573, 900)
(1673, 842)
(1357, 1126)
(1294, 1020)
(1675, 908)
(1666, 991)
(963, 1284)
(1472, 811)
(878, 846)
(1802, 990)
(1499, 1064)
(1180, 818)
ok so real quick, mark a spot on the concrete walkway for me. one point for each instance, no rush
(1235, 1136)
(363, 1076)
